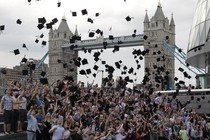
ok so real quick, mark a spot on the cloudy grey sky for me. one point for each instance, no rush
(112, 14)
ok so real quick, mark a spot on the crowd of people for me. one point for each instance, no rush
(68, 110)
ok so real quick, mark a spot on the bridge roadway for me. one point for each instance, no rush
(121, 41)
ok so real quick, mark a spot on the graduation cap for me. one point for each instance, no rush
(158, 59)
(95, 67)
(32, 66)
(199, 106)
(167, 37)
(44, 43)
(40, 26)
(42, 35)
(88, 71)
(111, 37)
(74, 14)
(105, 45)
(91, 34)
(185, 74)
(64, 65)
(84, 12)
(59, 4)
(192, 97)
(49, 25)
(18, 21)
(55, 20)
(145, 37)
(97, 14)
(84, 61)
(130, 70)
(59, 61)
(198, 99)
(98, 31)
(44, 81)
(181, 69)
(117, 64)
(24, 72)
(94, 75)
(2, 27)
(43, 73)
(158, 52)
(24, 60)
(42, 20)
(103, 62)
(128, 18)
(82, 72)
(116, 48)
(90, 20)
(175, 79)
(24, 46)
(16, 51)
(125, 67)
(37, 40)
(181, 82)
(133, 35)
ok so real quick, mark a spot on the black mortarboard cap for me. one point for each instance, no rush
(16, 52)
(59, 61)
(91, 34)
(94, 75)
(182, 82)
(18, 21)
(175, 79)
(2, 27)
(42, 20)
(97, 14)
(24, 60)
(24, 72)
(157, 85)
(49, 25)
(198, 99)
(55, 20)
(105, 45)
(64, 65)
(128, 18)
(24, 46)
(88, 71)
(59, 4)
(116, 48)
(103, 62)
(133, 35)
(185, 74)
(199, 106)
(84, 61)
(95, 67)
(158, 59)
(90, 20)
(74, 14)
(125, 67)
(37, 40)
(82, 72)
(43, 73)
(98, 31)
(42, 35)
(192, 97)
(159, 52)
(40, 26)
(111, 37)
(181, 69)
(84, 12)
(145, 37)
(130, 70)
(117, 64)
(43, 81)
(44, 43)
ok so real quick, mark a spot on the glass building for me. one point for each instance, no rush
(198, 51)
(198, 44)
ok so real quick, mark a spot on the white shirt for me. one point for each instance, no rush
(23, 104)
(66, 134)
(58, 133)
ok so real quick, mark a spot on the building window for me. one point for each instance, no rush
(156, 24)
(58, 35)
(65, 35)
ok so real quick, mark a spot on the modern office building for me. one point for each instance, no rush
(198, 51)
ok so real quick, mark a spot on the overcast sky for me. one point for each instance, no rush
(112, 15)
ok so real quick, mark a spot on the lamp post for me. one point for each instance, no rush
(102, 71)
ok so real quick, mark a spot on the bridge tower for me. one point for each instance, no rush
(57, 37)
(159, 64)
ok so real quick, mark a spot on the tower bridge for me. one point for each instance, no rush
(157, 29)
(121, 41)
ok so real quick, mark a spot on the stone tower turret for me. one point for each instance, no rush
(58, 37)
(158, 61)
